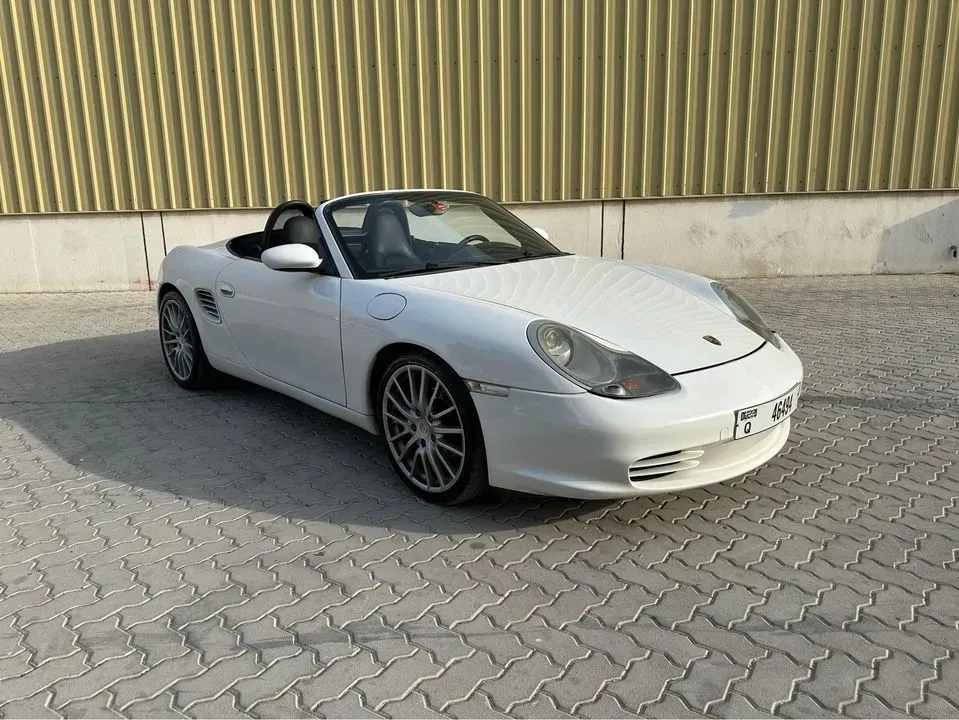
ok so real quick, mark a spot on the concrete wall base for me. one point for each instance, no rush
(834, 234)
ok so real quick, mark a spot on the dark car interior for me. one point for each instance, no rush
(383, 242)
(290, 222)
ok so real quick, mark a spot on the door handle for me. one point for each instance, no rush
(226, 290)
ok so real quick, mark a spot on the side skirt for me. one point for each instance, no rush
(244, 372)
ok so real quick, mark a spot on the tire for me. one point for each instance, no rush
(192, 370)
(444, 461)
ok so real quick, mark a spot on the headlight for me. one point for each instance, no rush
(745, 313)
(599, 369)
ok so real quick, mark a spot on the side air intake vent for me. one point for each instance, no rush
(208, 303)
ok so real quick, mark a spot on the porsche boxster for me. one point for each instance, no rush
(481, 353)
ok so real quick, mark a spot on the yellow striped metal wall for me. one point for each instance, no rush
(166, 104)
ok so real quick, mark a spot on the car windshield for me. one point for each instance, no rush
(409, 233)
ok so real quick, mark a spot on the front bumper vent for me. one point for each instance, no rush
(657, 466)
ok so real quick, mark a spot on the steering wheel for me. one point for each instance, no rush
(304, 207)
(475, 237)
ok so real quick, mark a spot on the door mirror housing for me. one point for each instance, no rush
(542, 232)
(291, 257)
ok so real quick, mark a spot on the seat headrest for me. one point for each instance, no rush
(302, 229)
(379, 206)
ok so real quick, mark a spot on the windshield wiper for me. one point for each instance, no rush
(530, 255)
(434, 265)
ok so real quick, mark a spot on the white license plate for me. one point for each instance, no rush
(756, 419)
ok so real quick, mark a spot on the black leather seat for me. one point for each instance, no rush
(303, 230)
(388, 240)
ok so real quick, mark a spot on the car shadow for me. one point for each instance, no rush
(107, 407)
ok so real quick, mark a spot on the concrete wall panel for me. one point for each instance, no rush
(722, 237)
(574, 227)
(202, 228)
(72, 252)
(18, 257)
(797, 235)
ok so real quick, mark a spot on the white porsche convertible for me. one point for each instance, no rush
(482, 354)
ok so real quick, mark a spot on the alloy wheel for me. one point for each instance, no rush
(177, 340)
(423, 427)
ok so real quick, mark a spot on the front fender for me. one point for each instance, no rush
(479, 340)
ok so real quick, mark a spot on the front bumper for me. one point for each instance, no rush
(586, 446)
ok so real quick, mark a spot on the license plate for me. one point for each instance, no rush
(756, 419)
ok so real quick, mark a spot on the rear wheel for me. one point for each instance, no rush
(431, 430)
(180, 341)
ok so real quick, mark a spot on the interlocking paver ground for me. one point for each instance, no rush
(234, 553)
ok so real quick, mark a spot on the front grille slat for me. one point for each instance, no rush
(661, 470)
(663, 464)
(667, 458)
(208, 304)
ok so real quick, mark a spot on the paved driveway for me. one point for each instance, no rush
(236, 553)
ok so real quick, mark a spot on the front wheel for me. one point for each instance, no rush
(431, 430)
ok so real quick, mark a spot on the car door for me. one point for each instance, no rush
(286, 325)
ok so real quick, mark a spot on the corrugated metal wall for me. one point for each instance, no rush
(163, 104)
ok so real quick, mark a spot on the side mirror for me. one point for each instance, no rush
(295, 256)
(542, 232)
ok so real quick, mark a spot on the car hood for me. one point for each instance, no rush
(612, 300)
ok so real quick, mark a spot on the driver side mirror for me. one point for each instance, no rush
(291, 257)
(542, 232)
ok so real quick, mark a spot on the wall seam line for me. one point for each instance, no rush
(622, 236)
(36, 255)
(602, 228)
(146, 254)
(163, 234)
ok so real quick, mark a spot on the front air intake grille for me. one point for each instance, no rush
(208, 304)
(657, 466)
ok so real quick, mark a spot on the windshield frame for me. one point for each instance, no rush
(357, 271)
